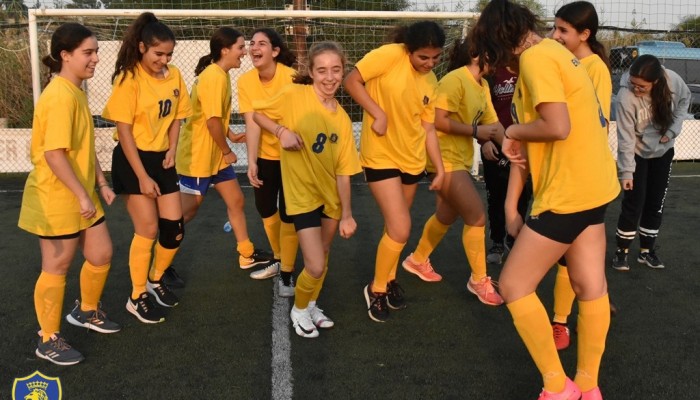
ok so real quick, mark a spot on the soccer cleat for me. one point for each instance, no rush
(302, 322)
(271, 269)
(92, 319)
(570, 392)
(619, 261)
(319, 318)
(172, 279)
(650, 259)
(495, 255)
(258, 257)
(394, 296)
(593, 394)
(485, 291)
(376, 305)
(163, 295)
(562, 339)
(423, 270)
(58, 351)
(285, 290)
(144, 309)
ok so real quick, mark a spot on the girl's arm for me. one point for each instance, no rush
(147, 186)
(252, 141)
(102, 185)
(347, 226)
(553, 124)
(355, 86)
(60, 166)
(516, 183)
(173, 136)
(216, 130)
(288, 139)
(484, 133)
(432, 147)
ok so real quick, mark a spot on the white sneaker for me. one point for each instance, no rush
(285, 290)
(271, 269)
(303, 325)
(319, 318)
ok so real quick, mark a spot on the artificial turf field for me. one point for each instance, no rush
(218, 343)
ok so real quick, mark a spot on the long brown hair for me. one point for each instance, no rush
(649, 68)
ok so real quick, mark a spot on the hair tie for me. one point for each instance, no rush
(51, 57)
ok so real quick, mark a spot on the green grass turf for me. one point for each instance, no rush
(445, 345)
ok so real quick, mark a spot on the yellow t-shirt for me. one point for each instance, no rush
(309, 175)
(197, 153)
(468, 102)
(250, 88)
(150, 105)
(407, 97)
(578, 173)
(600, 75)
(62, 120)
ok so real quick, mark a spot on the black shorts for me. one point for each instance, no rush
(311, 219)
(376, 175)
(72, 235)
(565, 228)
(125, 181)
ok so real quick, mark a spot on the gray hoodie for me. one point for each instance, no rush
(636, 133)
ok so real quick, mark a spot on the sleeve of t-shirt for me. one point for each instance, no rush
(450, 93)
(379, 61)
(59, 122)
(211, 92)
(348, 162)
(600, 75)
(540, 73)
(184, 106)
(122, 103)
(273, 107)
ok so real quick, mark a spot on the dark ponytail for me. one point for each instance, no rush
(648, 68)
(459, 55)
(582, 15)
(224, 37)
(67, 37)
(419, 35)
(147, 29)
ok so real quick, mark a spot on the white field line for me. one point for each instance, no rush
(282, 384)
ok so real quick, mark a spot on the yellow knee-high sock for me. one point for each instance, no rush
(388, 253)
(531, 321)
(473, 240)
(92, 282)
(319, 285)
(139, 262)
(289, 244)
(48, 302)
(433, 232)
(245, 248)
(593, 324)
(162, 258)
(564, 295)
(306, 284)
(272, 230)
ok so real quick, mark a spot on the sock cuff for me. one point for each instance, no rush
(474, 230)
(601, 304)
(524, 305)
(142, 242)
(53, 280)
(271, 220)
(390, 243)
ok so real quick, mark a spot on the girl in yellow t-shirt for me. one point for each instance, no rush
(273, 70)
(396, 87)
(575, 26)
(463, 112)
(148, 101)
(203, 155)
(60, 203)
(317, 159)
(559, 136)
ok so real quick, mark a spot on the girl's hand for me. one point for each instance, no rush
(236, 137)
(149, 187)
(664, 139)
(347, 227)
(230, 157)
(514, 223)
(87, 207)
(627, 184)
(253, 175)
(107, 194)
(490, 151)
(436, 183)
(512, 148)
(289, 140)
(169, 160)
(379, 125)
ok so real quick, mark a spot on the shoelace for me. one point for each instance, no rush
(396, 289)
(377, 302)
(487, 284)
(559, 331)
(60, 344)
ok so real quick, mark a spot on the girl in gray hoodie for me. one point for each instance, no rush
(650, 112)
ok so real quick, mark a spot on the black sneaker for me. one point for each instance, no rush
(92, 319)
(650, 259)
(376, 305)
(162, 293)
(144, 309)
(58, 351)
(394, 296)
(258, 257)
(495, 254)
(619, 261)
(172, 278)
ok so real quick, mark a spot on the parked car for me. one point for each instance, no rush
(695, 100)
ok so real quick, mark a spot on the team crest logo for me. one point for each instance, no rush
(426, 100)
(176, 92)
(576, 62)
(334, 138)
(37, 386)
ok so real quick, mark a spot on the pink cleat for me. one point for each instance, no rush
(593, 394)
(423, 270)
(485, 291)
(570, 392)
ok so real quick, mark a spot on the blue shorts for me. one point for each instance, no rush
(200, 186)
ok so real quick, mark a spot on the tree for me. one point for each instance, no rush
(689, 28)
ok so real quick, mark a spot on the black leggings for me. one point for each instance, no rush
(270, 195)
